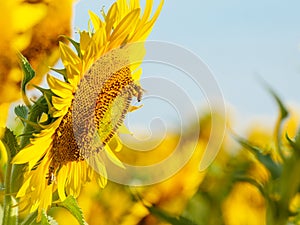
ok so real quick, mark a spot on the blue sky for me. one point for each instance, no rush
(240, 41)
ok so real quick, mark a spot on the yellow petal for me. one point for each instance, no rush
(100, 39)
(124, 130)
(23, 189)
(97, 23)
(101, 180)
(144, 29)
(73, 72)
(35, 206)
(85, 41)
(136, 75)
(113, 157)
(100, 170)
(30, 153)
(57, 114)
(67, 55)
(110, 18)
(3, 154)
(119, 146)
(61, 103)
(127, 24)
(60, 88)
(134, 5)
(61, 180)
(133, 108)
(147, 12)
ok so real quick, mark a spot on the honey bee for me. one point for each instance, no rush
(139, 92)
(50, 177)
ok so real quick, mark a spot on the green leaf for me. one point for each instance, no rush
(38, 108)
(12, 148)
(22, 112)
(283, 110)
(35, 125)
(274, 168)
(10, 141)
(47, 220)
(282, 116)
(294, 143)
(62, 72)
(71, 205)
(168, 218)
(47, 95)
(297, 139)
(28, 75)
(45, 92)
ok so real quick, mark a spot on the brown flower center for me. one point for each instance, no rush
(111, 106)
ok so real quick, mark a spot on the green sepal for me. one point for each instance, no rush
(47, 220)
(72, 206)
(62, 72)
(45, 92)
(38, 108)
(34, 125)
(28, 75)
(47, 95)
(294, 143)
(274, 168)
(284, 113)
(282, 116)
(10, 142)
(297, 139)
(22, 112)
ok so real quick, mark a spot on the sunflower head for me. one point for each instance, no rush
(75, 119)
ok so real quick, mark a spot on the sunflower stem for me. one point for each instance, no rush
(30, 219)
(8, 217)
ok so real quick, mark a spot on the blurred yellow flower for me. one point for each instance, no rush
(295, 208)
(3, 115)
(172, 194)
(55, 160)
(244, 206)
(33, 28)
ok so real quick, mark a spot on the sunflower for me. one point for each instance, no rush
(244, 205)
(59, 156)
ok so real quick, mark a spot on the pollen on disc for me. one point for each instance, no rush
(102, 101)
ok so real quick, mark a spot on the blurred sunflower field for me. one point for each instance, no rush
(60, 126)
